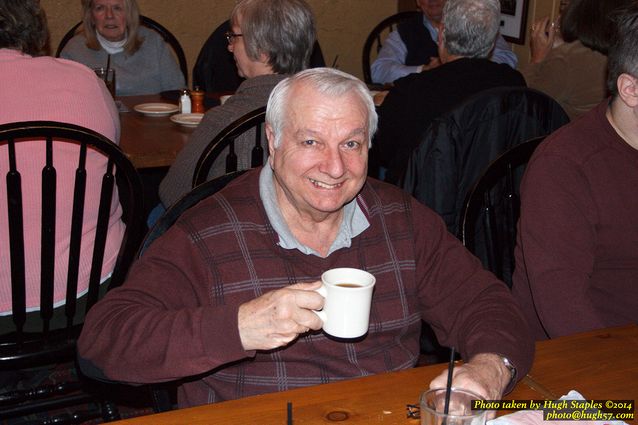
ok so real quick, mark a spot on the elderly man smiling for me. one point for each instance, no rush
(227, 293)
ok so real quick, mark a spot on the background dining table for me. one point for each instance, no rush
(600, 365)
(150, 141)
(153, 141)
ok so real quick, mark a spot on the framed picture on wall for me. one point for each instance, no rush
(513, 20)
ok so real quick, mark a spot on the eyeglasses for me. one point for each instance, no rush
(230, 36)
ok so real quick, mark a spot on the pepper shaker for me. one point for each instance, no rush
(197, 97)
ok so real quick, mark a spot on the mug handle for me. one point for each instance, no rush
(322, 314)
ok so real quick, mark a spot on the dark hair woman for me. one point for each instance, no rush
(568, 59)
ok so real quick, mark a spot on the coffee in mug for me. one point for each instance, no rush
(348, 285)
(348, 294)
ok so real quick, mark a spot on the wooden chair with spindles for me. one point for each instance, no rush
(226, 141)
(37, 339)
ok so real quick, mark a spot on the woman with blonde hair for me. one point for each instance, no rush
(111, 33)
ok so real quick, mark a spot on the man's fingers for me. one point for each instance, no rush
(308, 319)
(309, 300)
(308, 286)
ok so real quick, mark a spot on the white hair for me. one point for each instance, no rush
(327, 81)
(470, 27)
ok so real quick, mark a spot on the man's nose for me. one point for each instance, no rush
(333, 164)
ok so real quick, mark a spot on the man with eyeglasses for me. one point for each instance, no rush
(412, 48)
(269, 40)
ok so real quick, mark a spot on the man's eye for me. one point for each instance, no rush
(352, 144)
(309, 142)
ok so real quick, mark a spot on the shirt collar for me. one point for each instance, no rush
(434, 32)
(111, 47)
(353, 224)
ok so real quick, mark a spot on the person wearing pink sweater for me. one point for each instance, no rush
(35, 87)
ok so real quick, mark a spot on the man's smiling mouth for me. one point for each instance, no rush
(325, 185)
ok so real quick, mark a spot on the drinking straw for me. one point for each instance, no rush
(289, 413)
(448, 388)
(108, 65)
(334, 62)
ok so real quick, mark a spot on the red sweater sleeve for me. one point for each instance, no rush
(467, 306)
(152, 330)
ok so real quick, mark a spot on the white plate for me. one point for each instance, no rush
(156, 109)
(189, 120)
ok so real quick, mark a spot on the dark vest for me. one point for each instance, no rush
(418, 41)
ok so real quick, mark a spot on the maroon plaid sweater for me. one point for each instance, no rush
(176, 316)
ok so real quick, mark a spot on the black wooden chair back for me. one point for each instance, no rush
(374, 41)
(227, 139)
(459, 145)
(196, 195)
(168, 37)
(46, 346)
(492, 208)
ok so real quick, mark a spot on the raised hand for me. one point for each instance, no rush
(278, 317)
(542, 39)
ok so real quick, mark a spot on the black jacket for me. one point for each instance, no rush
(460, 144)
(417, 99)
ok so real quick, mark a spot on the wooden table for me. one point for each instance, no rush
(600, 365)
(150, 141)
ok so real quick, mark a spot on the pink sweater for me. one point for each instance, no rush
(45, 88)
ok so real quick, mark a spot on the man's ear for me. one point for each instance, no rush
(270, 136)
(628, 89)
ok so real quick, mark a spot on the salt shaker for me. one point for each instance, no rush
(197, 97)
(185, 102)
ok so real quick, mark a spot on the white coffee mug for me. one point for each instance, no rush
(348, 294)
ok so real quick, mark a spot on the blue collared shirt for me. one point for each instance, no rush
(390, 62)
(354, 220)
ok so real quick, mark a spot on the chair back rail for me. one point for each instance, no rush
(166, 35)
(197, 194)
(227, 139)
(50, 133)
(494, 203)
(19, 348)
(376, 37)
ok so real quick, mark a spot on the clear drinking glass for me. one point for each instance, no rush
(460, 408)
(108, 76)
